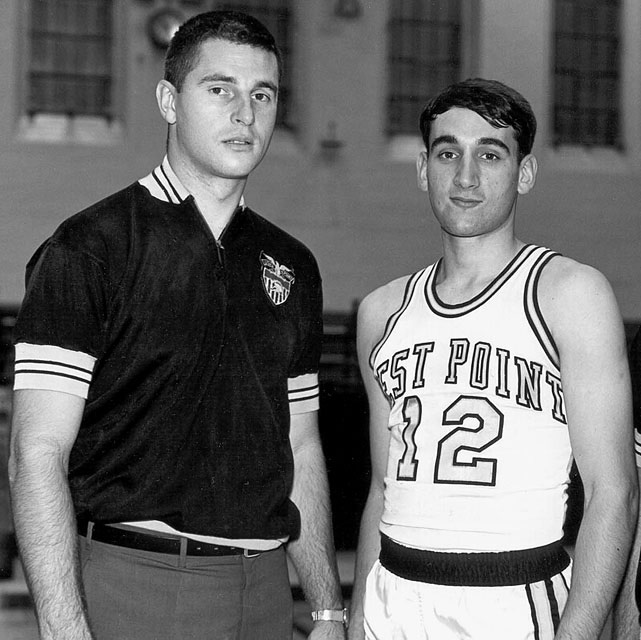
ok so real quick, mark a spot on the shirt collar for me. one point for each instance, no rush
(163, 184)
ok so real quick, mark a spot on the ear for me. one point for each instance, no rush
(166, 98)
(527, 174)
(421, 170)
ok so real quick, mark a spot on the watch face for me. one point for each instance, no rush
(162, 26)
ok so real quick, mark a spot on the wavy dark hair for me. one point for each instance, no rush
(494, 101)
(231, 26)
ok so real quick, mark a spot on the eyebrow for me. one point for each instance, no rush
(219, 77)
(450, 139)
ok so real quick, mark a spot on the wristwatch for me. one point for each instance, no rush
(333, 615)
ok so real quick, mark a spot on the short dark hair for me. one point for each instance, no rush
(231, 26)
(494, 101)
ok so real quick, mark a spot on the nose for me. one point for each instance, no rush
(467, 175)
(244, 111)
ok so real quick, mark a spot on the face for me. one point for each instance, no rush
(223, 117)
(472, 174)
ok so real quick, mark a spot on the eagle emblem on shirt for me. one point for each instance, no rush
(277, 279)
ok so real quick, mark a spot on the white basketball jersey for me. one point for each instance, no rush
(479, 453)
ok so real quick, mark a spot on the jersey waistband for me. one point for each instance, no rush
(505, 568)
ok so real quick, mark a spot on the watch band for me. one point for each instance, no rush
(333, 615)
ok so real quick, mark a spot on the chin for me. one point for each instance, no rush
(244, 164)
(236, 172)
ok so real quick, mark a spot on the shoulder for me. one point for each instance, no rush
(271, 236)
(267, 229)
(377, 307)
(385, 300)
(101, 221)
(565, 280)
(578, 302)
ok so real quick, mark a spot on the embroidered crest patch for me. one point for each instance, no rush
(277, 279)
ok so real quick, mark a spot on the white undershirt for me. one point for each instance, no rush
(250, 543)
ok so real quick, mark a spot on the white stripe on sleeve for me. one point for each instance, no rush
(52, 368)
(303, 392)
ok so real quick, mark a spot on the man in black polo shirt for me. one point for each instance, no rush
(165, 445)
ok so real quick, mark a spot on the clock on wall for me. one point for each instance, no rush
(162, 25)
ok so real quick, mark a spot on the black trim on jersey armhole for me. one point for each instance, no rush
(533, 310)
(393, 319)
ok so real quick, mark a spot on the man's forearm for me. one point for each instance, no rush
(625, 615)
(601, 554)
(625, 618)
(312, 554)
(45, 531)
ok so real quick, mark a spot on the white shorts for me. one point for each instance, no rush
(400, 609)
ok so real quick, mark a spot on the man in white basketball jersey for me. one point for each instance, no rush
(487, 373)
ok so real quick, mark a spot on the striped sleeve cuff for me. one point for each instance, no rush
(53, 369)
(303, 393)
(637, 447)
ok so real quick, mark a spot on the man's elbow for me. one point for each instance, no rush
(17, 470)
(12, 469)
(36, 461)
(632, 505)
(15, 462)
(619, 499)
(625, 503)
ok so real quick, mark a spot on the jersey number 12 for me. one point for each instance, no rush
(477, 423)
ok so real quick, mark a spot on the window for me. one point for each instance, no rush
(276, 16)
(70, 58)
(426, 53)
(586, 73)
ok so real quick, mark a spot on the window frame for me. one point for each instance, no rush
(50, 127)
(468, 61)
(560, 139)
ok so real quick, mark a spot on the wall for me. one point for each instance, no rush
(358, 209)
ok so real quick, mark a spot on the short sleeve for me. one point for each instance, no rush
(50, 368)
(64, 303)
(303, 385)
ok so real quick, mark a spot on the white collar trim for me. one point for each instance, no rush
(163, 184)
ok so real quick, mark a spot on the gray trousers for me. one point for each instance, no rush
(141, 595)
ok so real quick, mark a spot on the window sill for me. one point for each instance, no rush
(587, 159)
(51, 128)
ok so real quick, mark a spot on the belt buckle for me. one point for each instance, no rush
(248, 554)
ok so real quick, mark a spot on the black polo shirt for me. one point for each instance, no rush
(189, 352)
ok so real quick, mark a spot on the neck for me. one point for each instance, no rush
(470, 264)
(217, 208)
(217, 198)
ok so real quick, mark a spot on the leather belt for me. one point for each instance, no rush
(159, 544)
